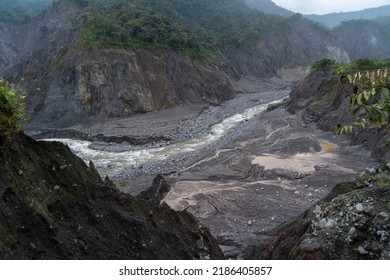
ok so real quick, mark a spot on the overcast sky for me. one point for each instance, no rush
(328, 6)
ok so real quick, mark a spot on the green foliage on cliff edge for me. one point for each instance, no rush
(126, 26)
(361, 64)
(12, 111)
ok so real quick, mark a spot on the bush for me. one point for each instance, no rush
(12, 111)
(323, 64)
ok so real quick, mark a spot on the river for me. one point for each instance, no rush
(111, 163)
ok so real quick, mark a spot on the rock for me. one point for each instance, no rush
(20, 172)
(383, 216)
(370, 211)
(331, 223)
(362, 251)
(249, 223)
(56, 188)
(323, 223)
(373, 171)
(352, 233)
(200, 243)
(230, 252)
(318, 212)
(359, 207)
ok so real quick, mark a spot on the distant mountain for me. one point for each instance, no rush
(268, 7)
(20, 10)
(334, 19)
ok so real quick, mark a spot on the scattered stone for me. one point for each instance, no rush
(20, 172)
(331, 223)
(359, 207)
(352, 233)
(370, 211)
(383, 216)
(56, 188)
(249, 223)
(318, 212)
(32, 245)
(323, 223)
(372, 171)
(297, 193)
(62, 167)
(200, 243)
(362, 251)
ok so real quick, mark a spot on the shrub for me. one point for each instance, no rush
(12, 111)
(323, 64)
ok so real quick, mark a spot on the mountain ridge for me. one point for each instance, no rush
(47, 55)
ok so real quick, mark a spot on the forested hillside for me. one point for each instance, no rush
(269, 7)
(192, 26)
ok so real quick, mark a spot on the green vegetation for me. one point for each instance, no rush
(12, 111)
(362, 64)
(21, 10)
(370, 101)
(200, 28)
(126, 26)
(323, 64)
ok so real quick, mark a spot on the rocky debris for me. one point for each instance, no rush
(230, 252)
(352, 222)
(73, 214)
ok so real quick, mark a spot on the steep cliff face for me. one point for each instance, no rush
(26, 47)
(55, 207)
(95, 84)
(288, 54)
(363, 38)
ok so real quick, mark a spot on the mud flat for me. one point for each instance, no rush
(272, 171)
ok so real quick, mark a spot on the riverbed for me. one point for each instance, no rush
(240, 168)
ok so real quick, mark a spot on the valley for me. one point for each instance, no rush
(241, 177)
(202, 123)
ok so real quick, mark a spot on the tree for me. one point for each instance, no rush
(370, 100)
